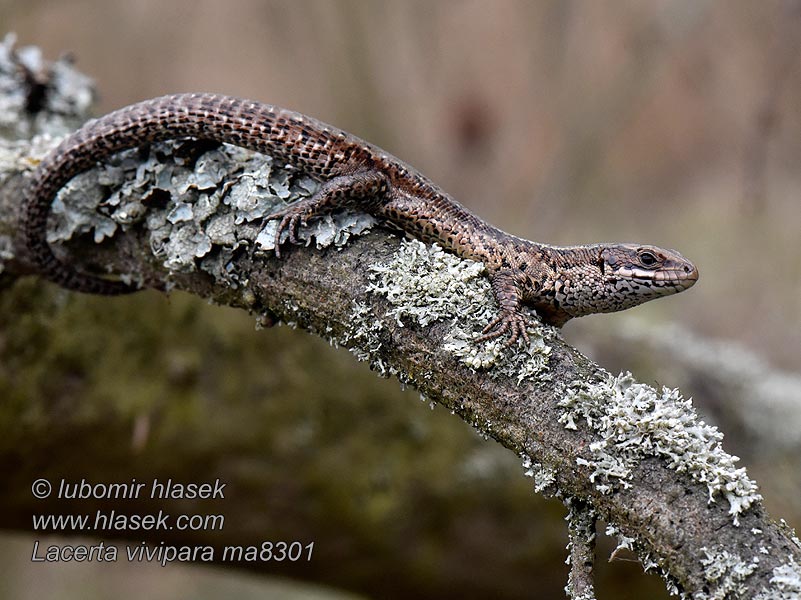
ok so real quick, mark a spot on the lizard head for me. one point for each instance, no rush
(618, 276)
(647, 271)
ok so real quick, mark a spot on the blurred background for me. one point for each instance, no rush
(670, 122)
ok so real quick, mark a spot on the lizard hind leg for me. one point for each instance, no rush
(359, 189)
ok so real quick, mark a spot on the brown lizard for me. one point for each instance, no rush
(559, 283)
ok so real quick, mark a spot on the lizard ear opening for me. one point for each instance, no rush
(602, 262)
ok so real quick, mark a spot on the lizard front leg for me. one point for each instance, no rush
(342, 190)
(510, 319)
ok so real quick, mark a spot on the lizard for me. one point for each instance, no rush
(558, 282)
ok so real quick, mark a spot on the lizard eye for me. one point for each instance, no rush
(647, 259)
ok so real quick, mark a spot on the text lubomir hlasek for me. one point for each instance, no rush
(137, 489)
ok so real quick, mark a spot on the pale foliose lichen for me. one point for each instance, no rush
(425, 284)
(200, 205)
(61, 103)
(364, 339)
(725, 574)
(432, 285)
(786, 582)
(633, 420)
(544, 477)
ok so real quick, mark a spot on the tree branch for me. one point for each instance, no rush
(189, 216)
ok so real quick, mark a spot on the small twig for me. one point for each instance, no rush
(581, 519)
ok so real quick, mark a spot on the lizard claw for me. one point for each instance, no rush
(292, 218)
(511, 322)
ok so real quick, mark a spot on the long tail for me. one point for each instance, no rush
(205, 116)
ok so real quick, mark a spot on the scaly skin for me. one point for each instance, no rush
(558, 282)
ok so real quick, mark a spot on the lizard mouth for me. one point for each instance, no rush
(681, 277)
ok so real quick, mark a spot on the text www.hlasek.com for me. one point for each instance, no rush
(118, 522)
(114, 521)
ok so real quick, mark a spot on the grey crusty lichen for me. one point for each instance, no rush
(633, 420)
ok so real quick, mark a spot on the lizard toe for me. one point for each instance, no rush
(513, 323)
(291, 219)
